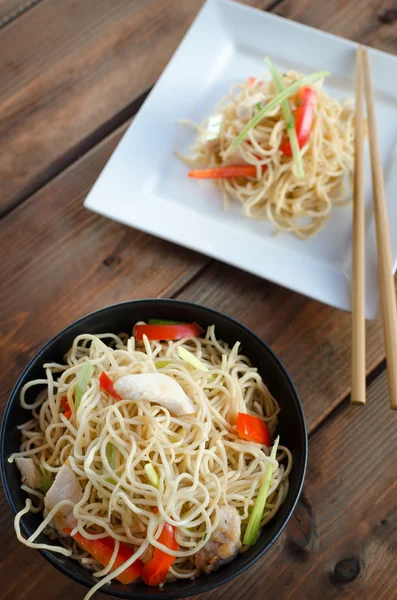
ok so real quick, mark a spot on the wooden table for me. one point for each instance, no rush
(73, 73)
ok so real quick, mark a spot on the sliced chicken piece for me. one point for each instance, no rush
(244, 110)
(210, 135)
(66, 486)
(31, 474)
(224, 542)
(157, 388)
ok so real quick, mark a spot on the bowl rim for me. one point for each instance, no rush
(205, 584)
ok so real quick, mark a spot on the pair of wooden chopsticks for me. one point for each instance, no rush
(388, 297)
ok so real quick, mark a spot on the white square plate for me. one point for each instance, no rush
(145, 186)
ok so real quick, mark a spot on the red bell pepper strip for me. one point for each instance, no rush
(155, 571)
(250, 80)
(225, 172)
(67, 411)
(102, 551)
(253, 429)
(167, 332)
(106, 384)
(304, 115)
(65, 404)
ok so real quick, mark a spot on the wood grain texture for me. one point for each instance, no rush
(342, 540)
(26, 575)
(67, 67)
(12, 9)
(370, 22)
(312, 340)
(66, 261)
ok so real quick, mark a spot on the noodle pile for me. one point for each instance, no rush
(298, 205)
(200, 460)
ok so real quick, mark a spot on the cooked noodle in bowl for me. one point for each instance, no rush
(292, 184)
(151, 458)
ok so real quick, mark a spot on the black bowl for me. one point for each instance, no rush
(121, 317)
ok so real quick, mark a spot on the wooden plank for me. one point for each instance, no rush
(60, 261)
(69, 67)
(342, 539)
(12, 9)
(370, 22)
(26, 575)
(312, 340)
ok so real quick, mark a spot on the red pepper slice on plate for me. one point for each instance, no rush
(167, 332)
(250, 80)
(155, 571)
(304, 115)
(102, 551)
(106, 384)
(253, 429)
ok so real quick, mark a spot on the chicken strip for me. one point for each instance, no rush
(157, 388)
(224, 542)
(30, 472)
(66, 486)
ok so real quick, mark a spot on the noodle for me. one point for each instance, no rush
(301, 206)
(201, 462)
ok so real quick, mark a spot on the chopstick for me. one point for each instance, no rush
(388, 296)
(357, 395)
